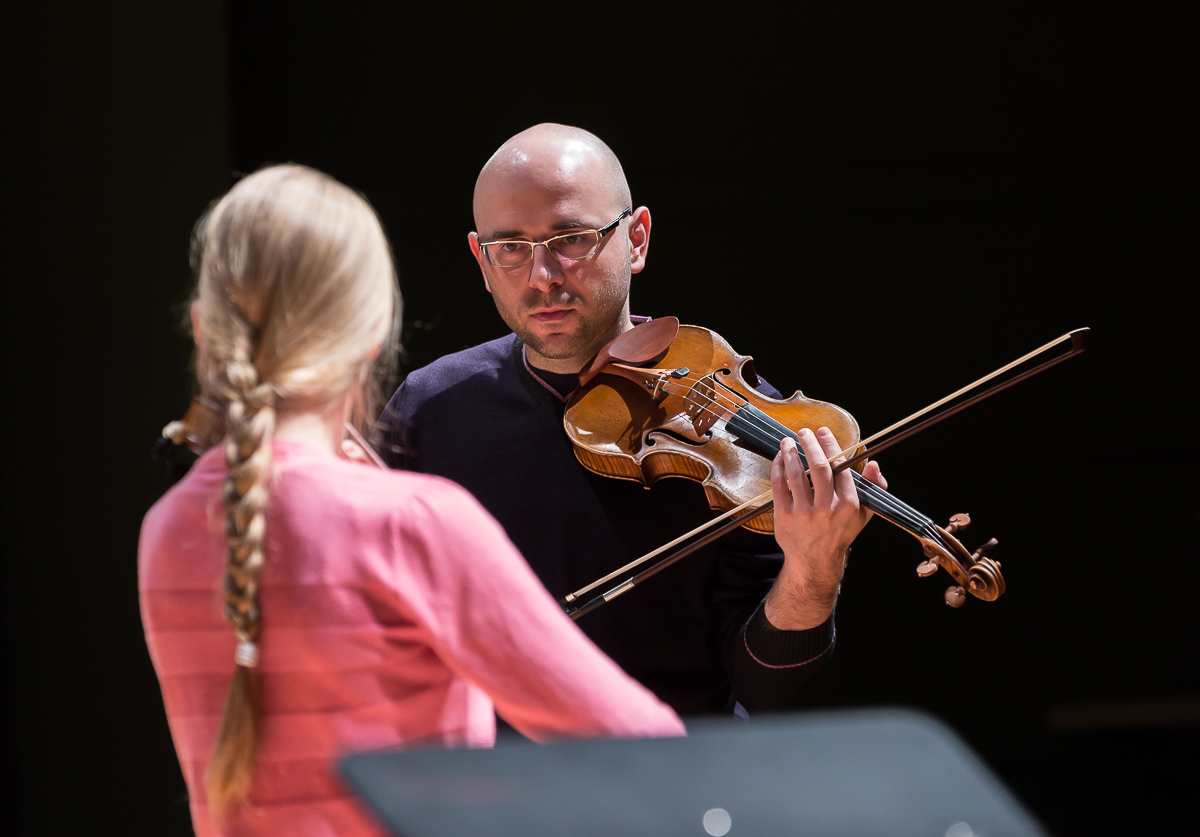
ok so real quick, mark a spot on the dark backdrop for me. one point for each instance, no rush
(879, 206)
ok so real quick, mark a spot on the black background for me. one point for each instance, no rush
(879, 205)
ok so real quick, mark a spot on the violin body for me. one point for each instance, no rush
(646, 424)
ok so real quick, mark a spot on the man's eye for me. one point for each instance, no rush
(510, 247)
(571, 238)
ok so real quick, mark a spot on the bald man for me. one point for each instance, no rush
(741, 625)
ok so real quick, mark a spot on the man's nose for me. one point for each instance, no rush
(544, 270)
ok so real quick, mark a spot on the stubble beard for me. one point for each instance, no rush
(589, 328)
(595, 327)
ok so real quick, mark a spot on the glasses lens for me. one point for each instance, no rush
(510, 253)
(575, 245)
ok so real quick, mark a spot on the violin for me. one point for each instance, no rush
(665, 400)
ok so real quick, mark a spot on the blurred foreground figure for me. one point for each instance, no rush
(352, 607)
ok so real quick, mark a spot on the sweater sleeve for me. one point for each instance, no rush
(768, 668)
(494, 624)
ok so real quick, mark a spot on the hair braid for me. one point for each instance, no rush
(250, 422)
(295, 295)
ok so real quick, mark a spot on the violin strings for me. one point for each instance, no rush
(876, 498)
(758, 426)
(769, 432)
(719, 389)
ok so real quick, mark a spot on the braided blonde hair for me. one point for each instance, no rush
(296, 295)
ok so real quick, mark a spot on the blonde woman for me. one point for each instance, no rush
(298, 605)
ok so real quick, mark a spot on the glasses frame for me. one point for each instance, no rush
(601, 233)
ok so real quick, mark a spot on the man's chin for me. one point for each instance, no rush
(554, 347)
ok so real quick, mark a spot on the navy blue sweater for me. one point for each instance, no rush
(695, 633)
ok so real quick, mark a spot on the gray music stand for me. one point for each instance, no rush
(857, 773)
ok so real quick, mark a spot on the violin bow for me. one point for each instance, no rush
(358, 439)
(762, 503)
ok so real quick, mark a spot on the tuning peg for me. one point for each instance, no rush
(927, 568)
(984, 550)
(955, 596)
(958, 522)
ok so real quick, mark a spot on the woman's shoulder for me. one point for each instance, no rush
(334, 481)
(312, 493)
(188, 499)
(377, 514)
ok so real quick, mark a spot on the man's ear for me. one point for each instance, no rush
(195, 315)
(639, 238)
(473, 243)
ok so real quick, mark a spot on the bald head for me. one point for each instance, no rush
(554, 183)
(550, 155)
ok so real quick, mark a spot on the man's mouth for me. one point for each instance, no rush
(550, 315)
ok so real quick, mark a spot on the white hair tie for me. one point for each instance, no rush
(246, 654)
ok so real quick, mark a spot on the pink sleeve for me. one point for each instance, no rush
(494, 624)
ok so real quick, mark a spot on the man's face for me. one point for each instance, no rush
(563, 311)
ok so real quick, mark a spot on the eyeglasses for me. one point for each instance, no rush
(573, 246)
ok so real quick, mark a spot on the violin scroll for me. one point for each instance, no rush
(200, 429)
(974, 571)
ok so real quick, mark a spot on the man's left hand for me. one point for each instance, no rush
(817, 517)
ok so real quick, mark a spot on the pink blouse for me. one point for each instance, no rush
(395, 613)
